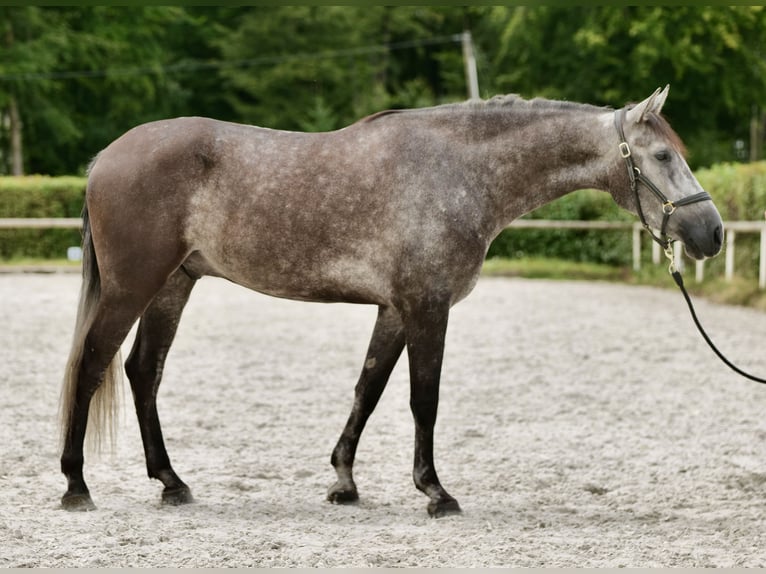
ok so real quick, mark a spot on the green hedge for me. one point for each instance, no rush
(39, 196)
(739, 191)
(599, 246)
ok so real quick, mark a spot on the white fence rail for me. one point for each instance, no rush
(40, 223)
(732, 229)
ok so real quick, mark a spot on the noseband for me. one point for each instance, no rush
(636, 177)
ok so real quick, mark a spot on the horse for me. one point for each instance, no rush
(395, 210)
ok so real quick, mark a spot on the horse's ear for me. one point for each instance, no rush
(652, 104)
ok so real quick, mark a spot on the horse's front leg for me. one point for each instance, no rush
(385, 347)
(425, 331)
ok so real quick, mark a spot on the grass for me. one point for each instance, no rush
(541, 268)
(24, 263)
(739, 291)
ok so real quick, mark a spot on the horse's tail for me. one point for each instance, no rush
(103, 407)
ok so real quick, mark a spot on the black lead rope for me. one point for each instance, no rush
(680, 282)
(668, 208)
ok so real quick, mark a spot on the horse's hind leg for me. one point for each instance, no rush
(384, 350)
(97, 367)
(144, 367)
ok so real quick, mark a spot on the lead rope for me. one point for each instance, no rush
(678, 278)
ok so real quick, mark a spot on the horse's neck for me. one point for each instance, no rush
(538, 157)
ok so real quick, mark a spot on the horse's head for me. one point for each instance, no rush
(656, 183)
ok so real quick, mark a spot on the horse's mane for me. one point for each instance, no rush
(656, 122)
(494, 103)
(510, 100)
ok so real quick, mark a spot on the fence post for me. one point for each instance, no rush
(730, 236)
(469, 62)
(762, 261)
(678, 255)
(655, 253)
(699, 270)
(636, 247)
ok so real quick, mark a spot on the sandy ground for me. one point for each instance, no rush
(580, 424)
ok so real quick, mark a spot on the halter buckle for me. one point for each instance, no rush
(624, 150)
(668, 208)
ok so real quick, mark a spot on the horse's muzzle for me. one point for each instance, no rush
(702, 243)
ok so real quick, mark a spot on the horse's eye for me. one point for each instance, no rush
(662, 155)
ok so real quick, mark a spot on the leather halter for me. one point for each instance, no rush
(636, 177)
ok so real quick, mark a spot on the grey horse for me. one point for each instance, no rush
(396, 210)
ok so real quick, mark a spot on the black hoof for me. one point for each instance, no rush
(445, 507)
(77, 502)
(177, 496)
(339, 494)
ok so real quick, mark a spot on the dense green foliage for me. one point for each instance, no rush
(81, 75)
(739, 191)
(600, 246)
(39, 196)
(712, 57)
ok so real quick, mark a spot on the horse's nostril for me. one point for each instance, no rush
(718, 237)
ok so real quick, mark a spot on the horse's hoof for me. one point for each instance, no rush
(77, 502)
(343, 494)
(443, 507)
(177, 496)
